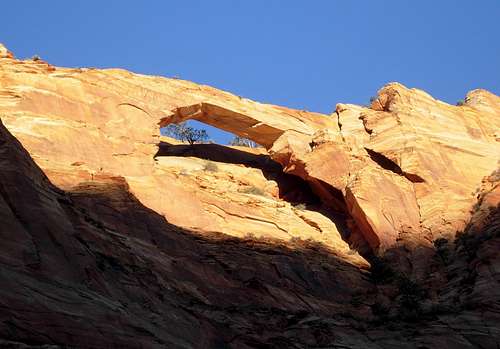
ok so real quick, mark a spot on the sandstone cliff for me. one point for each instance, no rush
(370, 227)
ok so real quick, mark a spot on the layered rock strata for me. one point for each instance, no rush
(116, 237)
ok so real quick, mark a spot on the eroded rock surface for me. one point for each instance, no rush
(80, 122)
(116, 237)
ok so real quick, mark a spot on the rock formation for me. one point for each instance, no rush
(371, 227)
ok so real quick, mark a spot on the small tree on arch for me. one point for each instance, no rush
(243, 142)
(186, 133)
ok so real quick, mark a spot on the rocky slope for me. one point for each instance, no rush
(370, 227)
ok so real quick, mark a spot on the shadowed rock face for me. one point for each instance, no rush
(94, 268)
(111, 240)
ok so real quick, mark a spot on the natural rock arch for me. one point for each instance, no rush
(262, 127)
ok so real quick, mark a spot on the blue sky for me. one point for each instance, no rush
(301, 54)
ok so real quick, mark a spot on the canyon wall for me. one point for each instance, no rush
(374, 226)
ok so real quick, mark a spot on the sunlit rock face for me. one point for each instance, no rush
(403, 165)
(80, 124)
(86, 173)
(410, 148)
(4, 53)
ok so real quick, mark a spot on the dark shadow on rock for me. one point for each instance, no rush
(219, 153)
(94, 268)
(291, 188)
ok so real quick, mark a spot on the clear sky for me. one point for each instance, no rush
(301, 54)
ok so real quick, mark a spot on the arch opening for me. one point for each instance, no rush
(219, 147)
(256, 127)
(214, 135)
(264, 129)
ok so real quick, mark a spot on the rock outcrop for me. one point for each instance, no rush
(371, 227)
(83, 123)
(4, 53)
(94, 268)
(404, 165)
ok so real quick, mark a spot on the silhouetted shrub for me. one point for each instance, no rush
(243, 142)
(300, 207)
(249, 236)
(411, 297)
(186, 133)
(441, 246)
(254, 190)
(410, 294)
(381, 271)
(210, 167)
